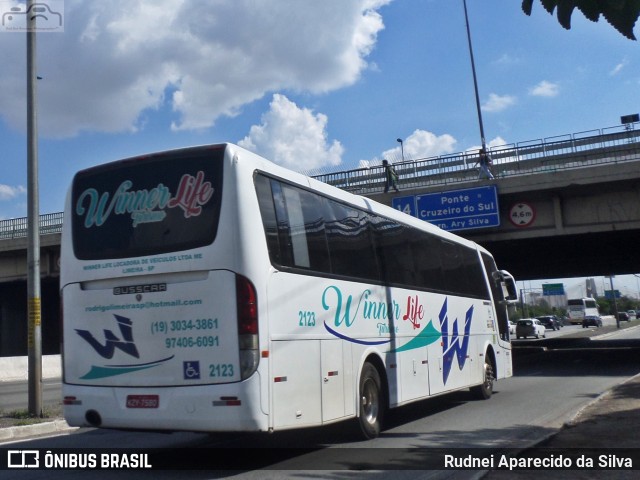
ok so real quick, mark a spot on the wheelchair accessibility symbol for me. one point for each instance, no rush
(191, 370)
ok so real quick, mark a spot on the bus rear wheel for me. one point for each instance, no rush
(371, 402)
(485, 389)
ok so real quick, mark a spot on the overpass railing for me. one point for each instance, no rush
(578, 150)
(17, 227)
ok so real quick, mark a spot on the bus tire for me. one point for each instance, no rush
(485, 389)
(371, 402)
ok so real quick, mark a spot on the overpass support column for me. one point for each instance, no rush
(557, 213)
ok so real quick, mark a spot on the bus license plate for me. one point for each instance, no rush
(143, 401)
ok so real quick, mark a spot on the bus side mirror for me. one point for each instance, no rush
(508, 285)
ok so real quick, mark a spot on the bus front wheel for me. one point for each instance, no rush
(485, 389)
(371, 402)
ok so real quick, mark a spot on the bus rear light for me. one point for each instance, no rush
(249, 360)
(71, 401)
(248, 342)
(247, 308)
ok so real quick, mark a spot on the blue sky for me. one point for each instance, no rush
(310, 85)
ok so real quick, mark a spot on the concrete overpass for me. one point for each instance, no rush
(13, 285)
(576, 201)
(567, 207)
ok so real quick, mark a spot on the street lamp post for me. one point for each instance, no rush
(475, 80)
(401, 147)
(33, 228)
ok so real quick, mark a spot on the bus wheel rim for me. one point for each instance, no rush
(370, 401)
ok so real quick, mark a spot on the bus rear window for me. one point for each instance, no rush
(147, 205)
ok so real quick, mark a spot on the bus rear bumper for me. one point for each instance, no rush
(206, 408)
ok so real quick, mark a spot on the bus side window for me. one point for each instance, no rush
(294, 225)
(392, 245)
(304, 211)
(284, 235)
(351, 243)
(426, 260)
(268, 214)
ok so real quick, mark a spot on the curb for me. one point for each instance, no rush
(37, 429)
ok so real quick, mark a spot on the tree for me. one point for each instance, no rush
(621, 14)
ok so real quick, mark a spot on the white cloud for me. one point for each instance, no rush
(545, 89)
(293, 137)
(421, 144)
(8, 192)
(618, 68)
(497, 103)
(506, 60)
(205, 59)
(495, 142)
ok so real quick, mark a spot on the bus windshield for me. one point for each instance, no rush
(166, 203)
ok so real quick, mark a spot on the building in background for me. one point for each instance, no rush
(591, 289)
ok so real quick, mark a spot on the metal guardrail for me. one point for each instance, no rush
(577, 150)
(610, 145)
(17, 227)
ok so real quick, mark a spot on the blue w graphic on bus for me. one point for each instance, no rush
(452, 344)
(126, 344)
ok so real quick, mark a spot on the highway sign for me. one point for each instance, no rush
(460, 209)
(405, 204)
(522, 214)
(553, 289)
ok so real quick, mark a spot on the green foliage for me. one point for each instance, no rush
(624, 304)
(621, 14)
(532, 311)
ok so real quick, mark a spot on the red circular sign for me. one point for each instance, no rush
(522, 214)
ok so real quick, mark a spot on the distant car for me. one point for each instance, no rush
(530, 327)
(591, 321)
(512, 328)
(632, 314)
(624, 317)
(550, 321)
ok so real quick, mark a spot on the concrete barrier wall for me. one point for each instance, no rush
(17, 368)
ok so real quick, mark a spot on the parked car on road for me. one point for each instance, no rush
(550, 321)
(632, 314)
(624, 317)
(591, 321)
(530, 327)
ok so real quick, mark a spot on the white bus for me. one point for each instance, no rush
(578, 308)
(208, 289)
